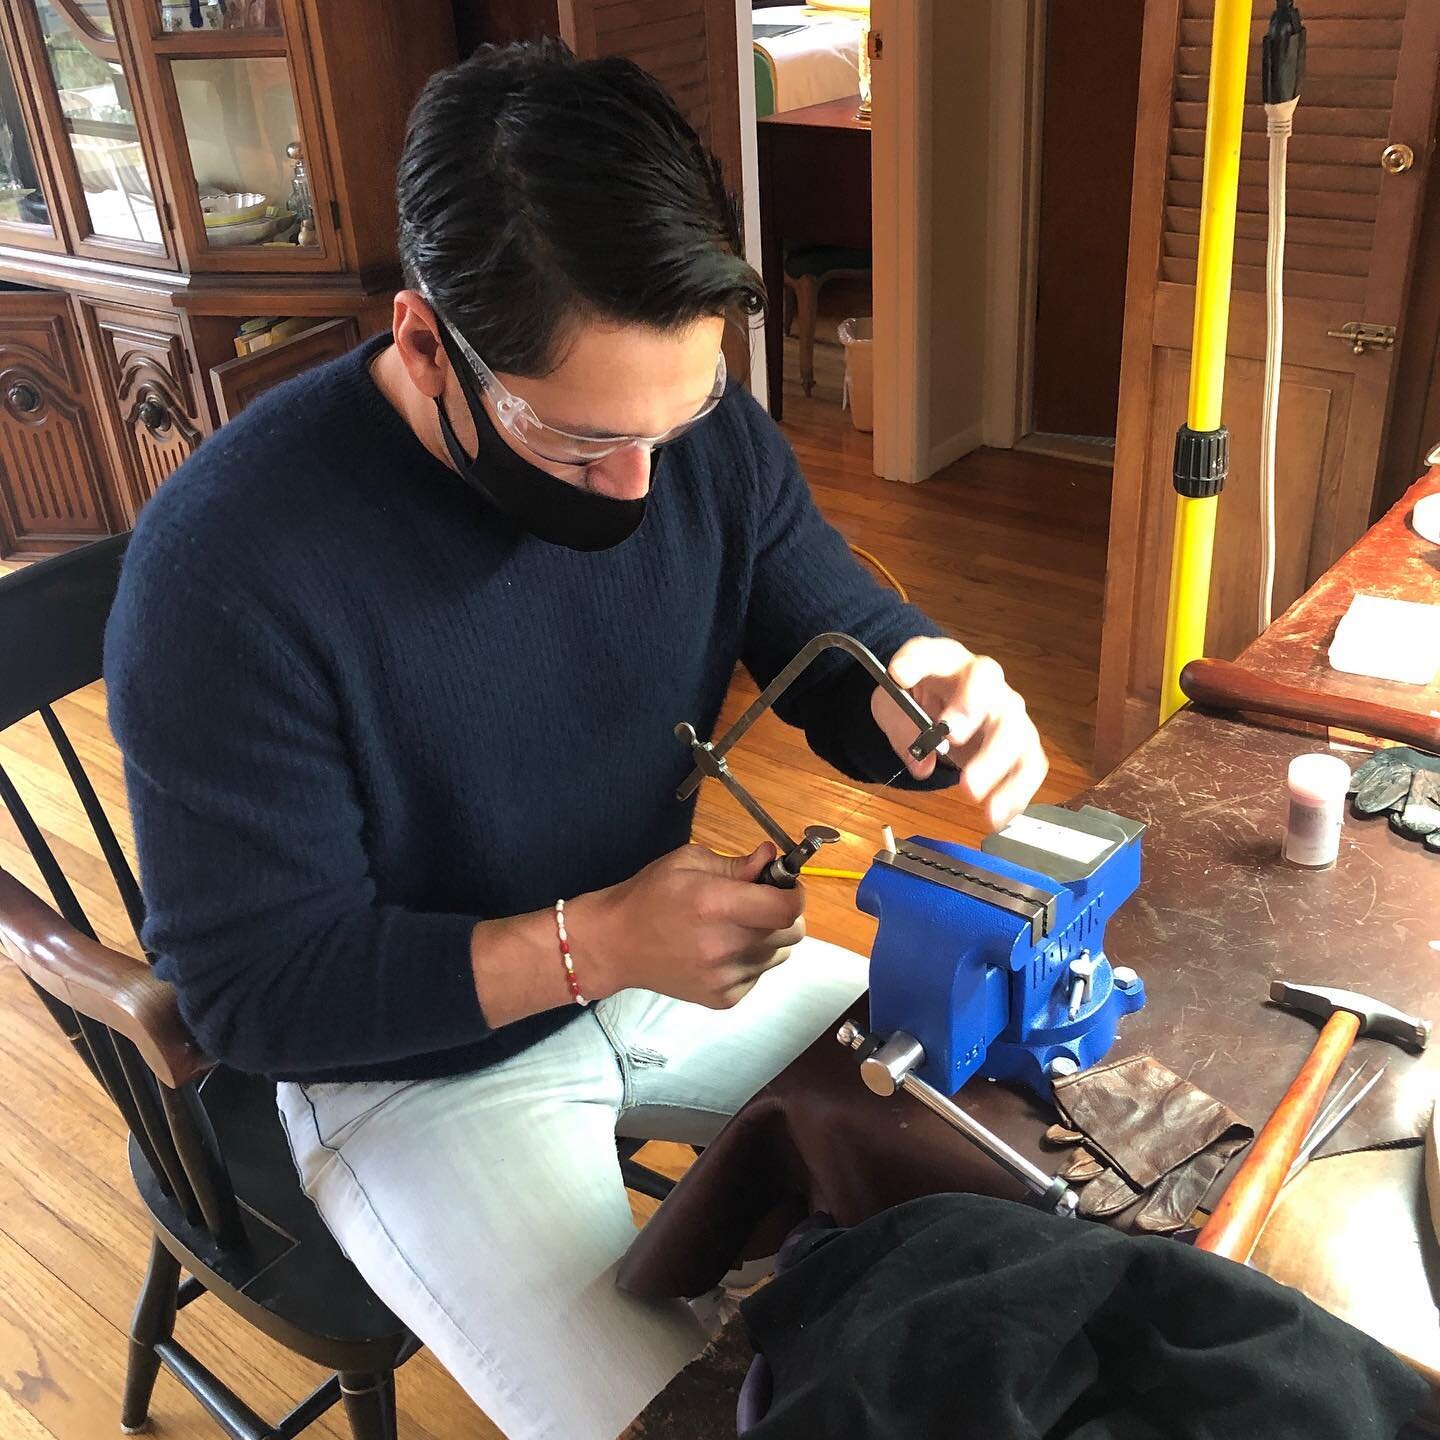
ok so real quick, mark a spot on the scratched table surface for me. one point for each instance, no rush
(1219, 915)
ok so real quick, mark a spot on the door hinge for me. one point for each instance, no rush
(335, 214)
(875, 43)
(168, 215)
(1363, 336)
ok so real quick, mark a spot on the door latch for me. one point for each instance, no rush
(1363, 336)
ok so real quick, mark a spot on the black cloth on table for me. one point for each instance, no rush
(962, 1316)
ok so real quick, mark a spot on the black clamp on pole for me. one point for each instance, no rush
(1202, 461)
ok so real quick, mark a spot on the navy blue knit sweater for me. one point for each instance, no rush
(359, 712)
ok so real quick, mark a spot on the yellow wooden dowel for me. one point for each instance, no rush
(820, 872)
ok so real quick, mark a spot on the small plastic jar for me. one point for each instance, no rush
(1317, 785)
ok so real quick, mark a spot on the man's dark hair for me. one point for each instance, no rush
(536, 189)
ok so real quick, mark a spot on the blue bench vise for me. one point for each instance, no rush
(994, 959)
(988, 961)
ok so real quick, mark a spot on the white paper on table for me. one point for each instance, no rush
(1388, 639)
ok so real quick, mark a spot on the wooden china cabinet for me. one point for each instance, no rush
(175, 174)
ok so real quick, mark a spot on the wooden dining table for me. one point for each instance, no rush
(814, 190)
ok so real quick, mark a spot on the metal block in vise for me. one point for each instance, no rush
(974, 952)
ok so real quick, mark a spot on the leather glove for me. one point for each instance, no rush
(1405, 782)
(1144, 1144)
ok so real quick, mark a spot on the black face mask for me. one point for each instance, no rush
(531, 498)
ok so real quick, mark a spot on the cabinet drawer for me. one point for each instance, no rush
(52, 467)
(148, 396)
(237, 382)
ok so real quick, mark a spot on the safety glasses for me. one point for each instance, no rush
(562, 447)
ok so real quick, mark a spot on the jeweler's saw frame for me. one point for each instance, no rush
(710, 756)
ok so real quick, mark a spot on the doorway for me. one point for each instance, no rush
(800, 117)
(1063, 99)
(1089, 89)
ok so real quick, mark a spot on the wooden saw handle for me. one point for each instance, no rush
(1224, 685)
(1246, 1204)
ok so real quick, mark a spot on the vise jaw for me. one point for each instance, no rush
(994, 960)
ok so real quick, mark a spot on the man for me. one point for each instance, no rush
(395, 667)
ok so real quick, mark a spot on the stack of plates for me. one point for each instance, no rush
(249, 232)
(238, 219)
(221, 211)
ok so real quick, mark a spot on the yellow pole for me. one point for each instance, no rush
(1201, 451)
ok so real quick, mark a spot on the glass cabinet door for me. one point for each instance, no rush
(257, 17)
(22, 195)
(243, 138)
(90, 104)
(242, 135)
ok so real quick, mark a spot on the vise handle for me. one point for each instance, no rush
(890, 1066)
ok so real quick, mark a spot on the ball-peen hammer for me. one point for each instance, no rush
(1246, 1204)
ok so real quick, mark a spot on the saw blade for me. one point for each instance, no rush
(942, 757)
(867, 797)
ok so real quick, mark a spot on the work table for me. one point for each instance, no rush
(1218, 916)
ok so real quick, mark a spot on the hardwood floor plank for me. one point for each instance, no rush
(64, 1363)
(66, 1198)
(16, 1422)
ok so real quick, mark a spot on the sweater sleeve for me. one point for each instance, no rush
(806, 581)
(260, 907)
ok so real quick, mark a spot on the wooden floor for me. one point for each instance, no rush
(1005, 550)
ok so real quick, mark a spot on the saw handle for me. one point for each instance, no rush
(1245, 1206)
(784, 870)
(1224, 685)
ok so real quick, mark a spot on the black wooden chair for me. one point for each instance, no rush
(206, 1148)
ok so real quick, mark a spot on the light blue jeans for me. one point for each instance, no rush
(487, 1209)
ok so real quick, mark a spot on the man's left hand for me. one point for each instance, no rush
(992, 740)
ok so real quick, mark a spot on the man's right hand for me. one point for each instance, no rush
(693, 925)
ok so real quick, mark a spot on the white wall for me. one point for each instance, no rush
(955, 115)
(750, 184)
(1016, 48)
(955, 246)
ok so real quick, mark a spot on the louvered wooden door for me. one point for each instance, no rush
(688, 45)
(1371, 81)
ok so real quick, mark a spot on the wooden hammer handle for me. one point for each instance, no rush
(1246, 1204)
(1224, 685)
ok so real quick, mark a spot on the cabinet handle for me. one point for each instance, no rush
(23, 397)
(154, 415)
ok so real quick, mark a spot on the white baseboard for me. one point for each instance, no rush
(962, 442)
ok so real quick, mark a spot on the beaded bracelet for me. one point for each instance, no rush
(570, 978)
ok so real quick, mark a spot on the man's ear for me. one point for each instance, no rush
(417, 341)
